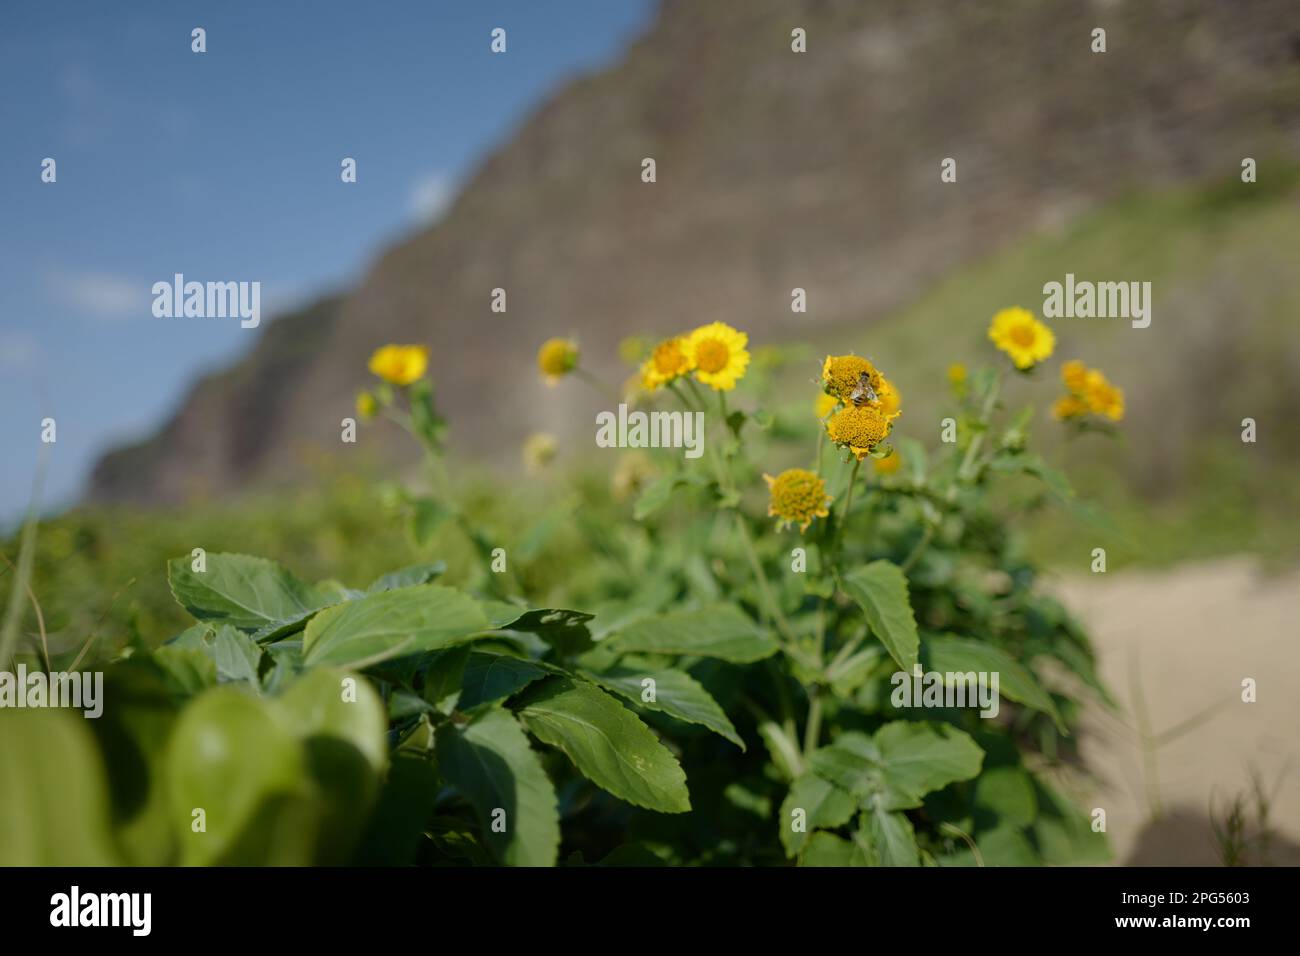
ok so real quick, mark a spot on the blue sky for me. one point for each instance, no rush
(225, 166)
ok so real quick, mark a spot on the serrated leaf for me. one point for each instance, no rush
(880, 589)
(676, 694)
(824, 806)
(389, 624)
(243, 591)
(899, 765)
(237, 656)
(889, 838)
(954, 655)
(491, 763)
(720, 631)
(607, 742)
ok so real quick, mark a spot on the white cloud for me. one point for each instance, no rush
(102, 294)
(431, 195)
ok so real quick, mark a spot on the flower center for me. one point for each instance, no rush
(712, 355)
(1023, 335)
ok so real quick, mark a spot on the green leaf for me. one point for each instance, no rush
(443, 677)
(824, 806)
(900, 765)
(490, 762)
(676, 694)
(390, 624)
(243, 591)
(921, 757)
(720, 631)
(566, 631)
(426, 517)
(53, 791)
(826, 849)
(407, 577)
(237, 656)
(335, 703)
(342, 724)
(493, 677)
(954, 655)
(236, 758)
(1007, 794)
(880, 589)
(656, 494)
(607, 742)
(889, 837)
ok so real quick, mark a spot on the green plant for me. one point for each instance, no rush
(694, 688)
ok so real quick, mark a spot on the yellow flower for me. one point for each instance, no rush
(826, 404)
(400, 364)
(668, 361)
(367, 406)
(891, 402)
(539, 451)
(557, 358)
(717, 354)
(1016, 332)
(1069, 406)
(956, 374)
(1102, 397)
(1075, 375)
(842, 379)
(1088, 391)
(841, 374)
(889, 464)
(860, 429)
(798, 496)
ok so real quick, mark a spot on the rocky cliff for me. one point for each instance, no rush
(775, 169)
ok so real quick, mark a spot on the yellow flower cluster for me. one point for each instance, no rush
(1016, 332)
(861, 402)
(716, 353)
(1088, 391)
(797, 496)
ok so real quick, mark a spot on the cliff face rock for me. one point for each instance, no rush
(775, 170)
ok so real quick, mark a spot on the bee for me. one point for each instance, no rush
(863, 393)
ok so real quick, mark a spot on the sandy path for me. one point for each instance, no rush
(1193, 634)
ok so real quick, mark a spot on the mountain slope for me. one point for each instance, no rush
(775, 170)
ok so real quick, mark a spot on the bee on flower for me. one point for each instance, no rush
(797, 497)
(1024, 338)
(870, 403)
